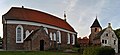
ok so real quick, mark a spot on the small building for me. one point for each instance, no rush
(28, 29)
(105, 37)
(83, 42)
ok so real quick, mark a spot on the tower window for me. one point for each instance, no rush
(95, 29)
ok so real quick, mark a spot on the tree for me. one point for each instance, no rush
(117, 32)
(0, 39)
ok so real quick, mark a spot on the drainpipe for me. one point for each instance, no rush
(6, 33)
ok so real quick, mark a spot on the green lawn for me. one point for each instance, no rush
(35, 53)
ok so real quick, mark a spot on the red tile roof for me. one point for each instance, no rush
(36, 16)
(85, 40)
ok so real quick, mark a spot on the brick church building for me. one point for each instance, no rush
(28, 29)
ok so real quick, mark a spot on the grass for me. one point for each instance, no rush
(34, 53)
(75, 49)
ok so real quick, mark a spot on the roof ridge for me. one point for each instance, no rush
(37, 16)
(38, 11)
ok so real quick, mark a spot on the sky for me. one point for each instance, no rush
(80, 13)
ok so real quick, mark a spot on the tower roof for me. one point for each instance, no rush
(96, 23)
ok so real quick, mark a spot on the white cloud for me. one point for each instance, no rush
(70, 4)
(84, 14)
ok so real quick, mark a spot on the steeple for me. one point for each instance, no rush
(96, 23)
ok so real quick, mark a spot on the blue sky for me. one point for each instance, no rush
(80, 13)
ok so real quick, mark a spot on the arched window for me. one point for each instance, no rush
(54, 37)
(73, 37)
(68, 39)
(19, 34)
(58, 37)
(51, 36)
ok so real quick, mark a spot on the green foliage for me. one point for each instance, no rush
(99, 51)
(77, 45)
(34, 53)
(75, 49)
(0, 39)
(117, 32)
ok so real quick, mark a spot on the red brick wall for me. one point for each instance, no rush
(11, 38)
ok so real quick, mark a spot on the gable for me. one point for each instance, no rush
(109, 33)
(40, 31)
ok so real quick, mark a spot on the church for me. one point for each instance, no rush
(33, 30)
(103, 37)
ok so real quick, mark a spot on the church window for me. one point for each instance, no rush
(68, 39)
(73, 39)
(51, 36)
(54, 37)
(58, 37)
(19, 34)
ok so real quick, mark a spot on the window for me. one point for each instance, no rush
(58, 37)
(95, 29)
(68, 39)
(19, 34)
(51, 36)
(54, 37)
(103, 41)
(113, 35)
(114, 42)
(106, 34)
(73, 36)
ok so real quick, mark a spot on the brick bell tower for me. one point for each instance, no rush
(95, 28)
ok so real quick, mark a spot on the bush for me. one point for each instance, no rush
(99, 51)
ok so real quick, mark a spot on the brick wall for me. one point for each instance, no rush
(33, 44)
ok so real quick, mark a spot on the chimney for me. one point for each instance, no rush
(109, 24)
(64, 16)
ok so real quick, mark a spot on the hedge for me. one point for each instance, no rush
(99, 51)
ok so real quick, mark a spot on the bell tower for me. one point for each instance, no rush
(95, 28)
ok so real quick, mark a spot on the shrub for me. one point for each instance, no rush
(99, 51)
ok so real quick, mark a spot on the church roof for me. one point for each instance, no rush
(96, 23)
(25, 14)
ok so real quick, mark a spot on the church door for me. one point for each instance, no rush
(41, 45)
